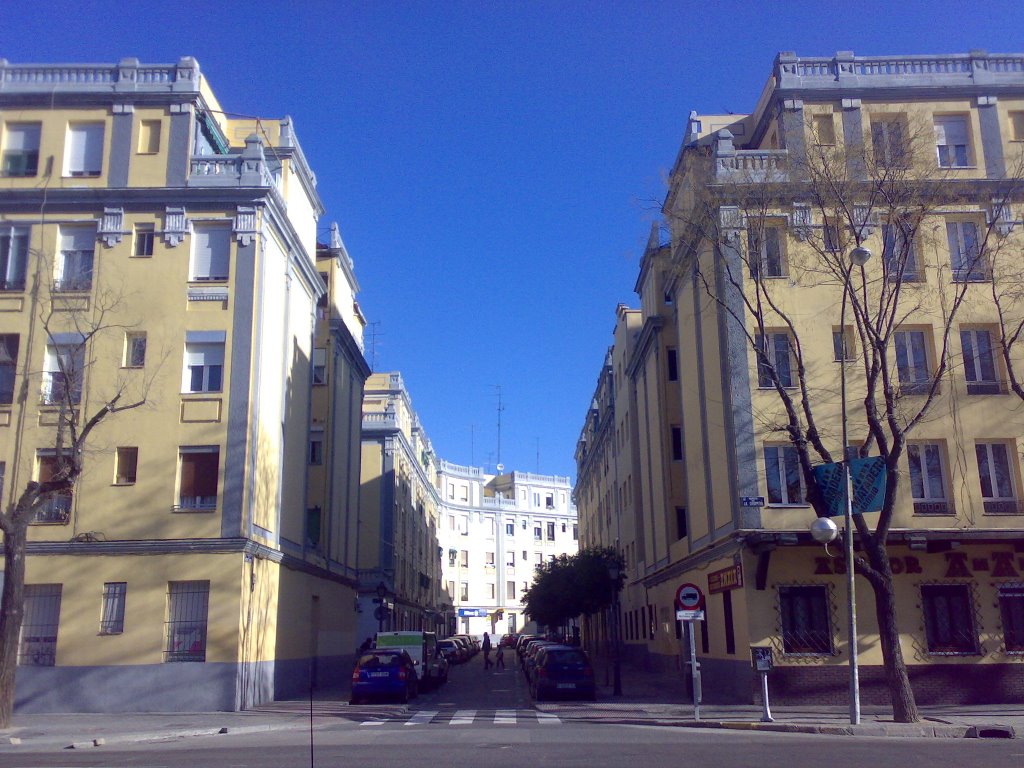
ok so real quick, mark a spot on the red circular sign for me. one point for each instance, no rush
(689, 597)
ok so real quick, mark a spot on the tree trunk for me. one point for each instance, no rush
(904, 707)
(12, 611)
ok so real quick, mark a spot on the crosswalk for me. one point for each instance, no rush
(464, 717)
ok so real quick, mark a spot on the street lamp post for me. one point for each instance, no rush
(859, 256)
(382, 592)
(613, 574)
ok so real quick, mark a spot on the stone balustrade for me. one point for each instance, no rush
(126, 75)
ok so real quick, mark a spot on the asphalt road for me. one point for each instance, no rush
(484, 720)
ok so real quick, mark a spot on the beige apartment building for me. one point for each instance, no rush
(207, 557)
(761, 284)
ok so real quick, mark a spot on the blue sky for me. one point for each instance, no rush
(494, 167)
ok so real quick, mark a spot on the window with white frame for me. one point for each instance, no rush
(949, 619)
(996, 470)
(57, 508)
(126, 465)
(21, 149)
(84, 150)
(888, 141)
(551, 531)
(928, 478)
(510, 529)
(188, 607)
(134, 349)
(37, 645)
(489, 559)
(115, 594)
(979, 362)
(510, 590)
(13, 257)
(211, 250)
(73, 268)
(806, 620)
(490, 590)
(537, 533)
(143, 237)
(9, 343)
(782, 475)
(63, 369)
(912, 366)
(951, 141)
(198, 474)
(967, 260)
(319, 366)
(764, 252)
(464, 590)
(464, 558)
(899, 256)
(777, 349)
(510, 559)
(204, 361)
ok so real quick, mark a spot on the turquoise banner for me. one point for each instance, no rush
(868, 477)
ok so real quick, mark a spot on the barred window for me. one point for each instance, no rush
(1011, 609)
(38, 644)
(806, 627)
(949, 619)
(112, 616)
(187, 610)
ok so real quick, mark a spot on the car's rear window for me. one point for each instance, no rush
(567, 657)
(380, 660)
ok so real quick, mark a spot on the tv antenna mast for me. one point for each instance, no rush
(499, 466)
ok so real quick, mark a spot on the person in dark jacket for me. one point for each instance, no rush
(486, 648)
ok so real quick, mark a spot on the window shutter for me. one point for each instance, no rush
(950, 131)
(78, 239)
(85, 150)
(22, 137)
(210, 257)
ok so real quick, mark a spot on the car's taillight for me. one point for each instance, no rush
(355, 675)
(402, 673)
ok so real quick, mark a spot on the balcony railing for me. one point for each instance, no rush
(1003, 506)
(934, 507)
(12, 285)
(196, 503)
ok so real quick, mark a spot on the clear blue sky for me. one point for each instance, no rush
(494, 166)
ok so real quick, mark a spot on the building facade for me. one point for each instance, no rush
(755, 320)
(150, 244)
(495, 531)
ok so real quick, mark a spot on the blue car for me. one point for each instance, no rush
(384, 674)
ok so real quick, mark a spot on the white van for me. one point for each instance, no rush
(431, 667)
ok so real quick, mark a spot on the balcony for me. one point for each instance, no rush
(196, 504)
(249, 168)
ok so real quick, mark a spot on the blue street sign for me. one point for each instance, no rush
(868, 477)
(472, 612)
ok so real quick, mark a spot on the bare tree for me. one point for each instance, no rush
(73, 333)
(742, 219)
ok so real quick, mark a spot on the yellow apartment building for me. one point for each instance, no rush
(772, 302)
(206, 559)
(400, 585)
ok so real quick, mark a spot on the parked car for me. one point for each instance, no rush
(474, 644)
(431, 668)
(509, 640)
(465, 645)
(452, 650)
(521, 642)
(530, 657)
(384, 674)
(562, 670)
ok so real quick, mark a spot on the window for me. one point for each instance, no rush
(899, 257)
(672, 362)
(824, 130)
(204, 361)
(912, 362)
(149, 137)
(84, 153)
(316, 451)
(1011, 610)
(74, 262)
(319, 366)
(37, 646)
(21, 149)
(951, 141)
(676, 436)
(764, 252)
(464, 558)
(830, 236)
(551, 531)
(314, 526)
(537, 533)
(928, 479)
(112, 608)
(549, 501)
(842, 345)
(806, 628)
(979, 362)
(490, 590)
(510, 559)
(56, 509)
(888, 144)
(949, 619)
(782, 474)
(198, 472)
(489, 559)
(965, 253)
(464, 590)
(1017, 126)
(13, 257)
(575, 532)
(464, 525)
(188, 605)
(776, 348)
(996, 472)
(134, 349)
(63, 370)
(538, 558)
(510, 529)
(126, 465)
(9, 343)
(510, 590)
(680, 523)
(211, 248)
(143, 236)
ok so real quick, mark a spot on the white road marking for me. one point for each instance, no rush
(422, 717)
(463, 717)
(505, 717)
(546, 718)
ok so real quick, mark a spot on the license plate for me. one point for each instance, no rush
(566, 685)
(378, 674)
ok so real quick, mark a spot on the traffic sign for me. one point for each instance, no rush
(689, 597)
(689, 615)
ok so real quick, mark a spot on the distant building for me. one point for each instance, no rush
(495, 530)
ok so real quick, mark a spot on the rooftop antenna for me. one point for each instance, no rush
(373, 344)
(499, 466)
(472, 445)
(537, 441)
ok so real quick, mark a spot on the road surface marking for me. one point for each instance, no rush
(421, 717)
(463, 717)
(505, 717)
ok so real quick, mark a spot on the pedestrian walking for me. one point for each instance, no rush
(499, 657)
(486, 647)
